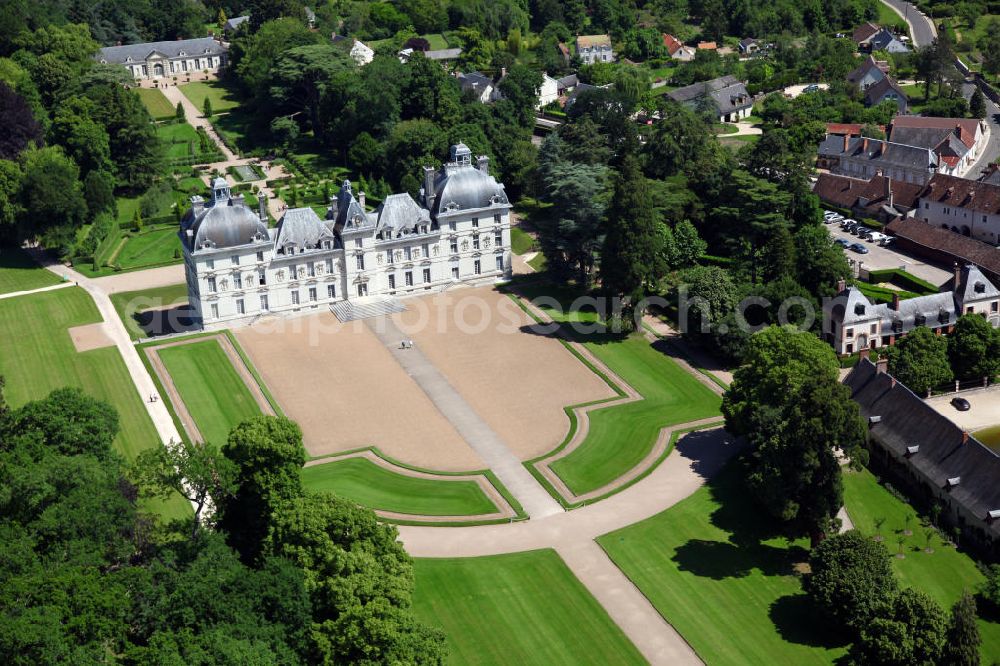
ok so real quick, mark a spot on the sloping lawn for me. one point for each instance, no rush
(156, 103)
(222, 98)
(525, 608)
(368, 484)
(130, 303)
(37, 356)
(521, 241)
(18, 272)
(155, 246)
(715, 571)
(212, 391)
(943, 574)
(620, 436)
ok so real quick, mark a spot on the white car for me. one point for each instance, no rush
(876, 237)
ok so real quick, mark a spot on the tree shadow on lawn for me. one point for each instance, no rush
(799, 621)
(748, 527)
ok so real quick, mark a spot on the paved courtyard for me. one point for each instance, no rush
(984, 408)
(879, 257)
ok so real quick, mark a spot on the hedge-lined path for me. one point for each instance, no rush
(195, 118)
(504, 510)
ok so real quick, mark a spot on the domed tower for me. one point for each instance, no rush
(227, 247)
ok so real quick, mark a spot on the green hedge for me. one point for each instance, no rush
(902, 279)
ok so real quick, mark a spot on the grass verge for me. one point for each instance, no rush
(524, 608)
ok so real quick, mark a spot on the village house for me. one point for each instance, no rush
(967, 207)
(958, 142)
(862, 157)
(748, 46)
(885, 40)
(237, 268)
(155, 60)
(594, 48)
(481, 87)
(928, 456)
(230, 27)
(887, 90)
(879, 197)
(851, 322)
(727, 96)
(863, 34)
(868, 73)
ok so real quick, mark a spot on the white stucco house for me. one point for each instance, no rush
(238, 269)
(154, 60)
(967, 207)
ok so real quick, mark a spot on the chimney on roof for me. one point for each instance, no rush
(956, 272)
(864, 144)
(483, 163)
(965, 437)
(847, 141)
(888, 190)
(841, 285)
(864, 354)
(895, 300)
(361, 200)
(882, 365)
(429, 187)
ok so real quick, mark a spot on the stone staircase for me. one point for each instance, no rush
(363, 308)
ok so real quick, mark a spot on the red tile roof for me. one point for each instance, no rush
(966, 127)
(963, 193)
(672, 43)
(845, 192)
(969, 250)
(850, 129)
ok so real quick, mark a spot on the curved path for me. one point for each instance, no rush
(695, 458)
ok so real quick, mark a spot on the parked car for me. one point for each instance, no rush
(848, 223)
(875, 237)
(887, 241)
(861, 230)
(842, 242)
(859, 248)
(830, 219)
(812, 87)
(961, 404)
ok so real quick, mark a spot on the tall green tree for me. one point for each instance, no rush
(359, 579)
(268, 455)
(197, 472)
(630, 257)
(909, 630)
(977, 104)
(52, 196)
(920, 360)
(851, 578)
(961, 645)
(974, 348)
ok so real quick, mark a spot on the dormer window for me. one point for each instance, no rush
(859, 308)
(980, 287)
(943, 316)
(919, 319)
(128, 59)
(954, 481)
(182, 53)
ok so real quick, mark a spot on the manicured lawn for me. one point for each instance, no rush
(37, 357)
(222, 98)
(521, 241)
(212, 391)
(18, 272)
(942, 574)
(368, 484)
(525, 608)
(180, 139)
(130, 303)
(714, 569)
(156, 103)
(888, 18)
(437, 41)
(621, 436)
(153, 247)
